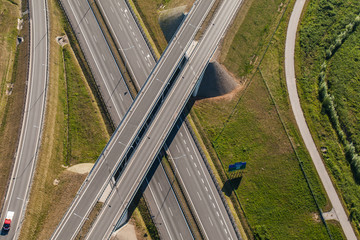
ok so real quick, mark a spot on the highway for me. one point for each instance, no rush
(129, 39)
(30, 136)
(83, 18)
(125, 135)
(158, 130)
(107, 74)
(183, 149)
(91, 38)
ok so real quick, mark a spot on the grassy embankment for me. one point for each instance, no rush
(74, 132)
(322, 24)
(13, 75)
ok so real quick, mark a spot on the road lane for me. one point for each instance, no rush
(30, 137)
(159, 129)
(114, 13)
(99, 177)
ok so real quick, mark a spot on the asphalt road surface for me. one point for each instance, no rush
(159, 129)
(300, 120)
(90, 38)
(184, 151)
(113, 89)
(26, 155)
(89, 193)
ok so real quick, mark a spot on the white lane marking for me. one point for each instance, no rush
(225, 230)
(139, 46)
(184, 142)
(199, 172)
(136, 39)
(181, 236)
(119, 5)
(188, 172)
(103, 56)
(142, 52)
(195, 164)
(19, 199)
(177, 148)
(199, 195)
(120, 27)
(181, 134)
(206, 179)
(87, 22)
(187, 148)
(210, 197)
(133, 33)
(171, 212)
(78, 2)
(206, 189)
(191, 157)
(94, 38)
(36, 126)
(112, 77)
(217, 213)
(127, 21)
(148, 65)
(202, 180)
(121, 97)
(130, 27)
(211, 222)
(138, 64)
(160, 186)
(221, 222)
(112, 9)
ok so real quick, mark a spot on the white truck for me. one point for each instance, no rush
(8, 219)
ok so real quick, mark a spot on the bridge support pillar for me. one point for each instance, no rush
(123, 220)
(197, 87)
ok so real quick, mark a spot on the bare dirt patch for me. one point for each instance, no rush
(127, 232)
(81, 168)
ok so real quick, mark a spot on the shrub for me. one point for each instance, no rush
(350, 27)
(328, 53)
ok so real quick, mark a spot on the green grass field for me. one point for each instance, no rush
(323, 21)
(273, 191)
(253, 125)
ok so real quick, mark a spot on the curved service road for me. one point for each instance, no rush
(300, 120)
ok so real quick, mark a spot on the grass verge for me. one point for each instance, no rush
(13, 75)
